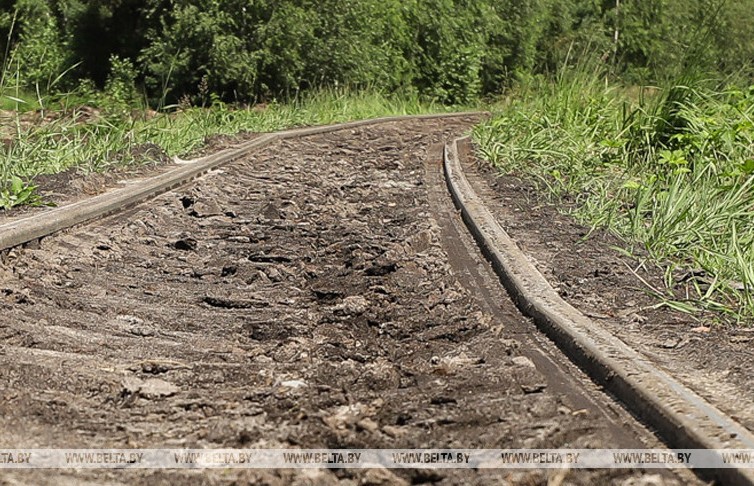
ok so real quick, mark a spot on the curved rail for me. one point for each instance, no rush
(27, 229)
(683, 418)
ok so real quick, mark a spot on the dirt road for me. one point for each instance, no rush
(320, 293)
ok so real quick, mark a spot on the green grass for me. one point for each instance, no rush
(182, 134)
(19, 102)
(669, 169)
(107, 140)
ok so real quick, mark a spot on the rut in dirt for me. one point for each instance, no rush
(300, 297)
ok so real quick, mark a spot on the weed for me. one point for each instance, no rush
(18, 193)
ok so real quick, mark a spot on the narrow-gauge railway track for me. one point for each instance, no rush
(319, 291)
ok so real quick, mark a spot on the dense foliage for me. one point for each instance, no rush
(450, 50)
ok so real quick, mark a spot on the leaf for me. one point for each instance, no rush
(665, 156)
(4, 200)
(607, 143)
(16, 185)
(631, 184)
(748, 166)
(13, 98)
(19, 193)
(24, 195)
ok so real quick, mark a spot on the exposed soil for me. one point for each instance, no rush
(315, 294)
(714, 360)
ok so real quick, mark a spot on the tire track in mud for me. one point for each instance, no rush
(300, 297)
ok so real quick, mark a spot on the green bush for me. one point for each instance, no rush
(449, 50)
(208, 40)
(40, 54)
(359, 44)
(120, 87)
(671, 170)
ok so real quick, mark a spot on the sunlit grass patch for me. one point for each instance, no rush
(669, 169)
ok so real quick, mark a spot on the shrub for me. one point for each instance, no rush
(120, 87)
(40, 53)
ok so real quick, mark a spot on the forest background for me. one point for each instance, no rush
(452, 51)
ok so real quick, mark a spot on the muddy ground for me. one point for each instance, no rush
(316, 294)
(712, 358)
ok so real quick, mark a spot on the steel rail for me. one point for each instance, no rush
(683, 419)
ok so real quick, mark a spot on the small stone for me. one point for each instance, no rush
(535, 388)
(131, 385)
(24, 297)
(185, 244)
(354, 305)
(157, 388)
(293, 384)
(367, 424)
(271, 212)
(450, 364)
(527, 376)
(671, 343)
(344, 416)
(204, 209)
(142, 331)
(393, 431)
(523, 361)
(150, 389)
(273, 274)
